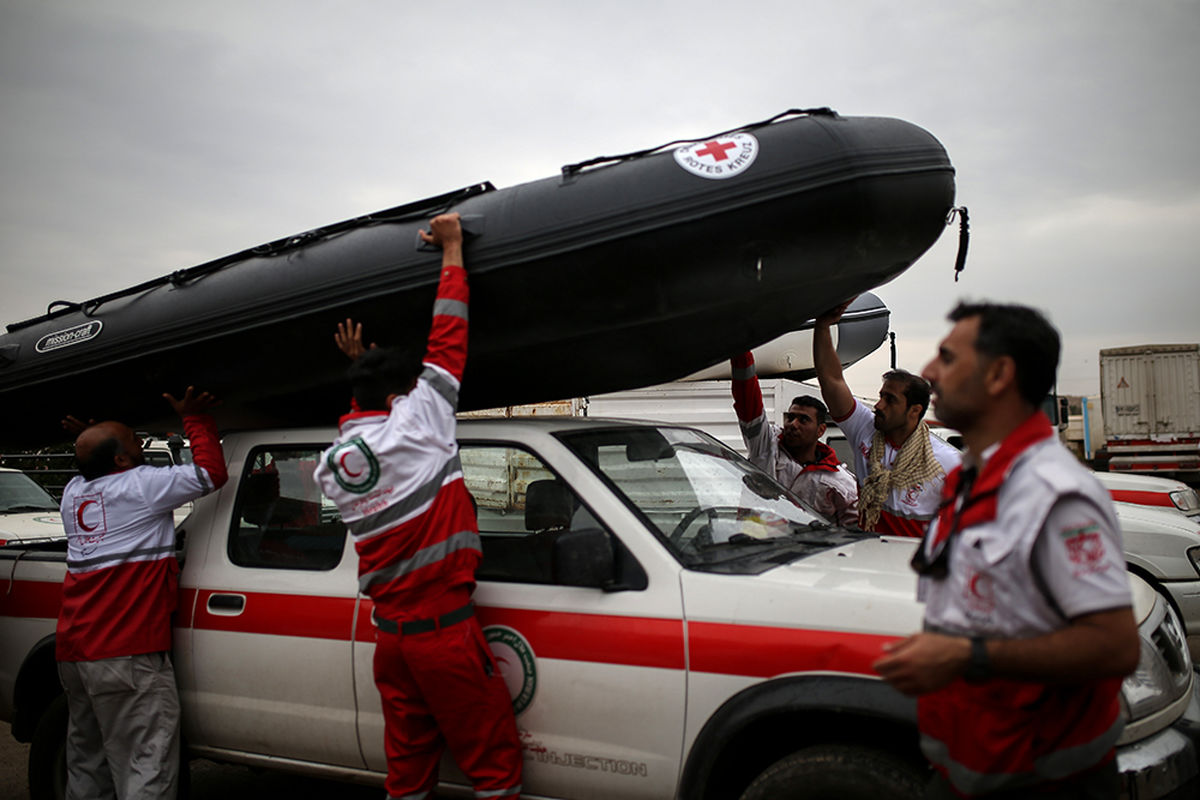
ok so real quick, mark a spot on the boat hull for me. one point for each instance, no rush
(610, 278)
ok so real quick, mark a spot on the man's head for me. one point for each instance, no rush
(107, 447)
(383, 372)
(903, 400)
(994, 353)
(803, 425)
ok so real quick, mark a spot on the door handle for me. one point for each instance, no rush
(228, 605)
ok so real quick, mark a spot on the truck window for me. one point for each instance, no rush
(281, 518)
(522, 507)
(707, 504)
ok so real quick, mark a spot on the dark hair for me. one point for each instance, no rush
(1022, 333)
(101, 460)
(916, 388)
(808, 401)
(382, 371)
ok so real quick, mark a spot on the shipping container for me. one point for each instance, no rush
(1150, 397)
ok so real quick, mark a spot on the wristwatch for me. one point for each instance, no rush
(979, 666)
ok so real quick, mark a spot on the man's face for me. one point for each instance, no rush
(800, 428)
(891, 412)
(956, 375)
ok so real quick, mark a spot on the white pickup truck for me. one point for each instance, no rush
(671, 624)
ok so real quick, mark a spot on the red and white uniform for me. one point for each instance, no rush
(905, 512)
(824, 484)
(122, 577)
(1036, 543)
(396, 478)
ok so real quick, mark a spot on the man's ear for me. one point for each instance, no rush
(999, 375)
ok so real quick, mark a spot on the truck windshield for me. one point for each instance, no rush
(18, 492)
(706, 502)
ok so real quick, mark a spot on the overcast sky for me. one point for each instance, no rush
(143, 137)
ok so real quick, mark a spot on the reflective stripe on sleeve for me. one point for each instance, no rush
(202, 476)
(442, 385)
(743, 373)
(451, 308)
(752, 429)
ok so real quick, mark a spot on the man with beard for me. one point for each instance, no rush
(794, 454)
(1028, 626)
(900, 466)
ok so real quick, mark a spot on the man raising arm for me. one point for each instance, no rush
(794, 454)
(395, 475)
(899, 465)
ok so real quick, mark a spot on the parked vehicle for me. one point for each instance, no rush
(1160, 517)
(1150, 397)
(1149, 490)
(671, 624)
(27, 511)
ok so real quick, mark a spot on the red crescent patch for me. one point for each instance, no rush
(345, 469)
(79, 515)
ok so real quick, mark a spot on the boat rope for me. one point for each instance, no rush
(418, 209)
(964, 237)
(570, 170)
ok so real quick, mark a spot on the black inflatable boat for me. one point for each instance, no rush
(617, 273)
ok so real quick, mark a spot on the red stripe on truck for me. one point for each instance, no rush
(308, 616)
(1142, 498)
(763, 652)
(758, 651)
(598, 638)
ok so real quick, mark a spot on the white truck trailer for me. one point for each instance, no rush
(1150, 395)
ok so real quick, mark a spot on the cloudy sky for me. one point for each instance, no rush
(142, 136)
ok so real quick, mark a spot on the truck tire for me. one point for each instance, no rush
(838, 772)
(48, 757)
(48, 753)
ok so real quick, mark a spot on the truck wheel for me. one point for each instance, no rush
(838, 772)
(48, 757)
(48, 753)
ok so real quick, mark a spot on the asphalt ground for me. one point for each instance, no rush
(210, 781)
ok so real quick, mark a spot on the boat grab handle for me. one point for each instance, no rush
(472, 225)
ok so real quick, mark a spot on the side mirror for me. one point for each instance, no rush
(584, 558)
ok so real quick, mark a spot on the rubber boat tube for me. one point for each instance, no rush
(635, 271)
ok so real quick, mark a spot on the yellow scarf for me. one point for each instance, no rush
(914, 465)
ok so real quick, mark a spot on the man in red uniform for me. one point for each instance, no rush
(122, 584)
(1028, 623)
(395, 475)
(794, 454)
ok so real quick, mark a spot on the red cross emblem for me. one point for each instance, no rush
(718, 150)
(718, 158)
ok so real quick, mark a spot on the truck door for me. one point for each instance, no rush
(267, 615)
(597, 677)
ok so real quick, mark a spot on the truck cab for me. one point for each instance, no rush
(670, 622)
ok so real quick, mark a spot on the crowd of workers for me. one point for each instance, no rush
(1028, 623)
